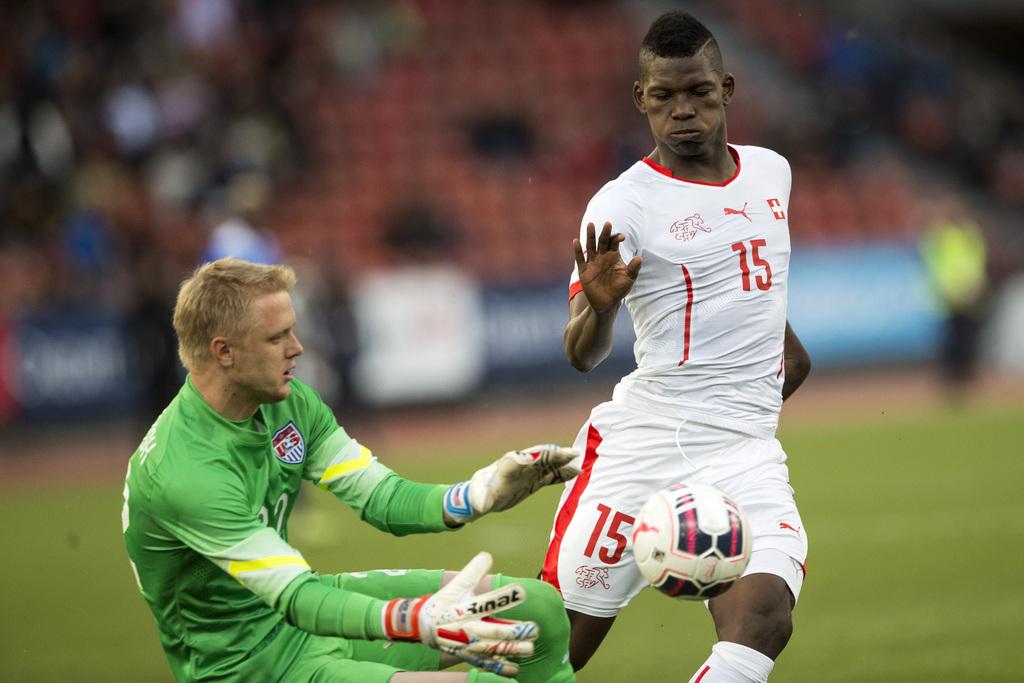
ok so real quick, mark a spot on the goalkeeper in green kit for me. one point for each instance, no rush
(206, 504)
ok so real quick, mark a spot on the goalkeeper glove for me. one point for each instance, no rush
(455, 621)
(507, 481)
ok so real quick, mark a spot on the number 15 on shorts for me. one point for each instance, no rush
(609, 525)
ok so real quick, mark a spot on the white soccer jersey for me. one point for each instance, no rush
(709, 305)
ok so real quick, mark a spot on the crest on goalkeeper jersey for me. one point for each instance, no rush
(289, 446)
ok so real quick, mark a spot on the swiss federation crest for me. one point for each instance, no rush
(289, 446)
(688, 228)
(588, 577)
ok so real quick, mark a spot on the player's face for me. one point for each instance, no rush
(684, 99)
(264, 359)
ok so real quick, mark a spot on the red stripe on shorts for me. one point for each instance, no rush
(565, 514)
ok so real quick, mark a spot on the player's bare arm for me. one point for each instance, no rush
(606, 280)
(797, 362)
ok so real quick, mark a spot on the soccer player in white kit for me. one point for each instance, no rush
(700, 255)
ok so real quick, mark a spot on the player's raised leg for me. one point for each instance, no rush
(756, 612)
(753, 621)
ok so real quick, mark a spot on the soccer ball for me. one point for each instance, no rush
(691, 541)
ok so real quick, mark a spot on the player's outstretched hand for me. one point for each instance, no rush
(455, 621)
(509, 480)
(605, 279)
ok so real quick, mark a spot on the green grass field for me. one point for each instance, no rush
(916, 570)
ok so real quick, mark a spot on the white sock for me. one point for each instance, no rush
(734, 663)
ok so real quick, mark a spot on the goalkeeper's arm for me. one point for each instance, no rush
(507, 481)
(314, 604)
(401, 507)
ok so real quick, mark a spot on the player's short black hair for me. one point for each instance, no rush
(678, 34)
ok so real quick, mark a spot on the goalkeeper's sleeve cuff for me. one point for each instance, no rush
(456, 503)
(401, 618)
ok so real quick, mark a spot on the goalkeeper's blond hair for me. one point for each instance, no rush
(216, 301)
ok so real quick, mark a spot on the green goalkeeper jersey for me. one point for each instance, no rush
(205, 519)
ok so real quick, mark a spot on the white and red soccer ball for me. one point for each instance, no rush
(691, 541)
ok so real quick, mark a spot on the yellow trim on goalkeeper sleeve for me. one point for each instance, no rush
(236, 568)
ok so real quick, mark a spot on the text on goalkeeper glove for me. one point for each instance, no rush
(457, 622)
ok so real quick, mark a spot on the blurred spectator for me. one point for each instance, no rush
(132, 116)
(327, 327)
(363, 34)
(344, 335)
(954, 252)
(244, 233)
(502, 137)
(1008, 173)
(418, 232)
(8, 371)
(207, 25)
(152, 336)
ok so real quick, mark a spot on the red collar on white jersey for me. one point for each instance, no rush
(664, 171)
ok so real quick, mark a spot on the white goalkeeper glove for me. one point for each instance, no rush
(455, 621)
(508, 480)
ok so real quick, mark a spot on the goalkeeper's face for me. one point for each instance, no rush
(265, 358)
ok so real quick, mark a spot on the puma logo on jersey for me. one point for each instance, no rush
(737, 212)
(688, 228)
(790, 527)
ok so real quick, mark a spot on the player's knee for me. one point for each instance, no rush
(548, 611)
(546, 593)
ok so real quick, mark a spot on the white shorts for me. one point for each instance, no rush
(627, 455)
